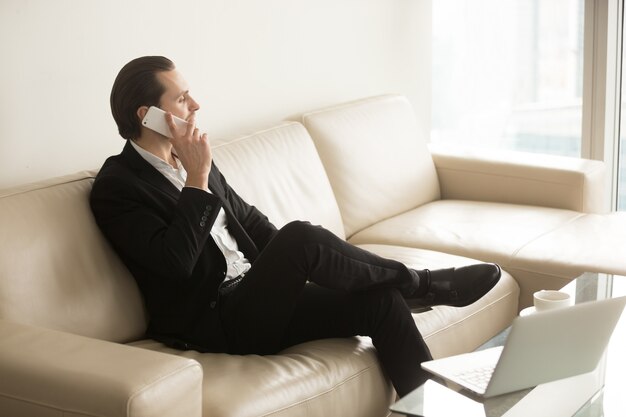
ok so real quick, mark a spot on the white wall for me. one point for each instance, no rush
(250, 64)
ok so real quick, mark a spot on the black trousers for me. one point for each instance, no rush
(351, 292)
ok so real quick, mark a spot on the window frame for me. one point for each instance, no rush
(602, 68)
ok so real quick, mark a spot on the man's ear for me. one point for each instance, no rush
(141, 112)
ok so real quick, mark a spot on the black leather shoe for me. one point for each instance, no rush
(457, 287)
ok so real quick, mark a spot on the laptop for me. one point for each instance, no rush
(541, 347)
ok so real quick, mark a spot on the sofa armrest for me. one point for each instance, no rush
(47, 372)
(521, 178)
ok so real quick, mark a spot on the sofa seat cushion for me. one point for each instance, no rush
(316, 377)
(450, 330)
(590, 243)
(491, 232)
(332, 377)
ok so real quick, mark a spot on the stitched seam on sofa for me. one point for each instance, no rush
(329, 390)
(149, 385)
(554, 229)
(465, 318)
(385, 219)
(37, 187)
(40, 404)
(239, 139)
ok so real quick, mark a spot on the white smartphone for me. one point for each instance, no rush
(155, 120)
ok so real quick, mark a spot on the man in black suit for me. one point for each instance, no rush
(217, 276)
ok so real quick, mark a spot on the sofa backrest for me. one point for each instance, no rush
(376, 159)
(56, 269)
(279, 171)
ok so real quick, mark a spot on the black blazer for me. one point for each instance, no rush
(163, 237)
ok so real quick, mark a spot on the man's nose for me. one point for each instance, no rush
(193, 105)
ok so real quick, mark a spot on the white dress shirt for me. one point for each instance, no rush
(236, 263)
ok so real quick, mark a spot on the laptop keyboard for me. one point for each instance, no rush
(479, 377)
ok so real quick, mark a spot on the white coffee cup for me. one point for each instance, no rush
(550, 299)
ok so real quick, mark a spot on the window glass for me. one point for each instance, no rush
(508, 74)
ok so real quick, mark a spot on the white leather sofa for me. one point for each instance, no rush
(72, 319)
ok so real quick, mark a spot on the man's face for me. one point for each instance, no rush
(176, 98)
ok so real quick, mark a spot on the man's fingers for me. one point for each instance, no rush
(169, 119)
(191, 125)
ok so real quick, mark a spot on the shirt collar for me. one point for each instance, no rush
(154, 160)
(176, 176)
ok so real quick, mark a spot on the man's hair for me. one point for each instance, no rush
(137, 85)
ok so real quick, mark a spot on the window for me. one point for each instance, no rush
(508, 74)
(621, 163)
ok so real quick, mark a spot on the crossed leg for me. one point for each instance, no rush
(355, 293)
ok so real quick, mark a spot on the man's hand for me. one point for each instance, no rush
(193, 150)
